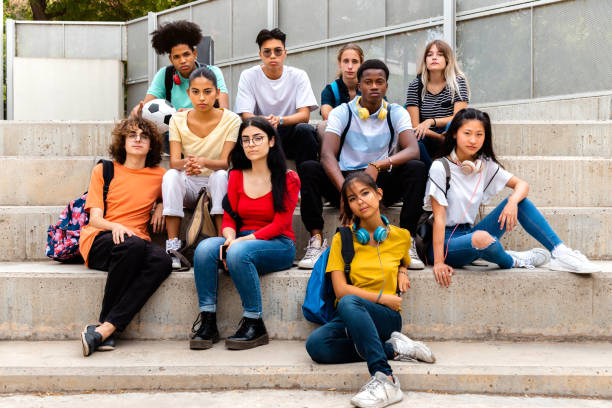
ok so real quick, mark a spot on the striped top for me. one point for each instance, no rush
(439, 105)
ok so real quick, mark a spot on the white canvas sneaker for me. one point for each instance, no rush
(174, 244)
(530, 259)
(313, 251)
(415, 261)
(378, 392)
(410, 350)
(573, 261)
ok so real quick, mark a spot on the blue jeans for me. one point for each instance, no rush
(461, 251)
(357, 332)
(246, 260)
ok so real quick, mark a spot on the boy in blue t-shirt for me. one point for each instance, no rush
(179, 40)
(366, 134)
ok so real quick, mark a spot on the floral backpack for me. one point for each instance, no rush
(63, 237)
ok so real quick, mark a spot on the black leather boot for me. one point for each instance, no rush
(251, 333)
(207, 334)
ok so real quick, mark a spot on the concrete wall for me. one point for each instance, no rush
(68, 89)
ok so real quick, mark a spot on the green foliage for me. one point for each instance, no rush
(85, 10)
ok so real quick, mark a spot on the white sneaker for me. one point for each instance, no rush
(174, 244)
(313, 251)
(378, 392)
(410, 350)
(573, 261)
(415, 261)
(530, 259)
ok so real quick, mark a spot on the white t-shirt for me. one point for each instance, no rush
(494, 179)
(366, 140)
(260, 95)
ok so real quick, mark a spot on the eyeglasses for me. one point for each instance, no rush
(267, 52)
(257, 140)
(135, 136)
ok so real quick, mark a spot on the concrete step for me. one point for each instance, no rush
(555, 181)
(555, 369)
(559, 181)
(50, 301)
(595, 106)
(60, 138)
(261, 398)
(520, 137)
(589, 229)
(547, 138)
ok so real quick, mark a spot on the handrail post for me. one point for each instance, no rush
(10, 60)
(152, 56)
(450, 22)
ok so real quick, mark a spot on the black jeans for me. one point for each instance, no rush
(404, 183)
(136, 268)
(299, 142)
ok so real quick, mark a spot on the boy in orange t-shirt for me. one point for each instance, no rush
(117, 241)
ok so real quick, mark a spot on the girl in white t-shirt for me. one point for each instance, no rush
(476, 176)
(205, 136)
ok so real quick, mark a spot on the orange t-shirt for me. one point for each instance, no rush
(129, 202)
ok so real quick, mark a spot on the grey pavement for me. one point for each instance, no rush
(286, 398)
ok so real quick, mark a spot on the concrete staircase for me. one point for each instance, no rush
(491, 330)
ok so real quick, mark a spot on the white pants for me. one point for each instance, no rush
(180, 190)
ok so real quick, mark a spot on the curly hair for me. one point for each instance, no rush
(122, 130)
(372, 64)
(172, 34)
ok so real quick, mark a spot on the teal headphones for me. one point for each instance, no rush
(363, 236)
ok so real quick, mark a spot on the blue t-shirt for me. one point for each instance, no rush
(178, 95)
(366, 140)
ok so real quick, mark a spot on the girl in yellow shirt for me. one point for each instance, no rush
(367, 325)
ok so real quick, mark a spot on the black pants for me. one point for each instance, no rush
(404, 183)
(299, 142)
(136, 268)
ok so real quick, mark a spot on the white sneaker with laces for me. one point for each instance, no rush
(530, 259)
(315, 248)
(378, 392)
(174, 244)
(410, 350)
(415, 261)
(573, 261)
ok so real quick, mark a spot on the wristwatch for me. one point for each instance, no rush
(280, 121)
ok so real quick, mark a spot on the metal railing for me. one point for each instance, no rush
(236, 22)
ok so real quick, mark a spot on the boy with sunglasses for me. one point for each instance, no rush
(282, 94)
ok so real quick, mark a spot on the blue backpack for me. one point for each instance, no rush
(319, 301)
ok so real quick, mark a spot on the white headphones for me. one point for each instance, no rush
(467, 166)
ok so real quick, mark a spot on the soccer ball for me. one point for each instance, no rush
(159, 111)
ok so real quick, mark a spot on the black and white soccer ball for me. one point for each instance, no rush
(159, 111)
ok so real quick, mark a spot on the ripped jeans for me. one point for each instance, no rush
(461, 251)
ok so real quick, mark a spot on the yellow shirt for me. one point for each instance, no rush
(365, 269)
(209, 146)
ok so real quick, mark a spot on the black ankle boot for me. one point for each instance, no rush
(251, 333)
(207, 334)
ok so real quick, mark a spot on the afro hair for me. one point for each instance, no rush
(172, 34)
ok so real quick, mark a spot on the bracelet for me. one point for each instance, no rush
(434, 119)
(375, 166)
(404, 272)
(390, 165)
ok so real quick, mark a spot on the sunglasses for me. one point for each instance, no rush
(267, 52)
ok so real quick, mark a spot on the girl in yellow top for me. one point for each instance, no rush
(205, 136)
(367, 325)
